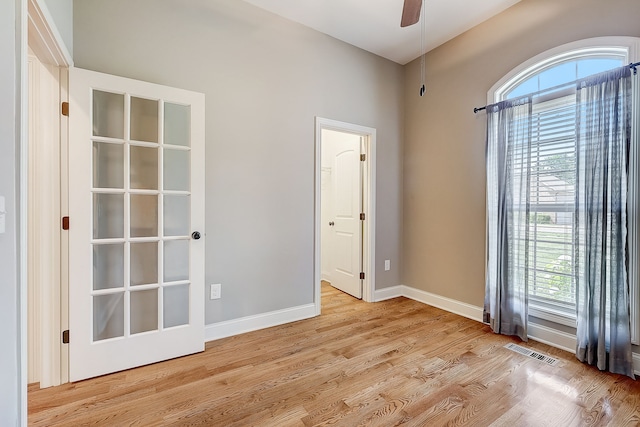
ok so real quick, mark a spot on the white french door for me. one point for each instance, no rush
(136, 235)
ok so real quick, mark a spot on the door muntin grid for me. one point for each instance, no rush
(141, 215)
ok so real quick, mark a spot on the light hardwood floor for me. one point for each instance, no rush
(397, 362)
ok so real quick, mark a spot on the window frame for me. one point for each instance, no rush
(627, 48)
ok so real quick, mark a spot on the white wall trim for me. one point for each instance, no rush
(43, 224)
(64, 237)
(448, 304)
(40, 34)
(552, 337)
(551, 315)
(256, 322)
(44, 38)
(388, 293)
(34, 324)
(636, 363)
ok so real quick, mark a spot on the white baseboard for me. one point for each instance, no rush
(552, 337)
(543, 334)
(463, 309)
(565, 341)
(388, 293)
(233, 327)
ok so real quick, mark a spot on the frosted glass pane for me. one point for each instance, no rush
(108, 266)
(144, 215)
(176, 260)
(177, 124)
(144, 311)
(177, 215)
(108, 114)
(144, 168)
(108, 216)
(108, 165)
(108, 316)
(144, 120)
(176, 305)
(176, 170)
(144, 263)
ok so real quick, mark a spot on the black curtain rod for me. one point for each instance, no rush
(634, 66)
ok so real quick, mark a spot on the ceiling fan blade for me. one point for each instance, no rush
(410, 12)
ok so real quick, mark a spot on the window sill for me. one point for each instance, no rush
(552, 314)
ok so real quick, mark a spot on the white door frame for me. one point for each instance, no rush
(43, 251)
(46, 43)
(369, 191)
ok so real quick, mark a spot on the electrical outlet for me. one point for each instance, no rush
(216, 291)
(387, 264)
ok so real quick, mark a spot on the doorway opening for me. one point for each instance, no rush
(344, 213)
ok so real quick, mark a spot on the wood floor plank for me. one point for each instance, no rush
(397, 362)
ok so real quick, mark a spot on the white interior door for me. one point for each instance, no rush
(346, 205)
(326, 217)
(136, 204)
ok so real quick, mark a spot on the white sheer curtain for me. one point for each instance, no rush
(603, 137)
(508, 206)
(603, 134)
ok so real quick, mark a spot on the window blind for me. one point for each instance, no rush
(552, 171)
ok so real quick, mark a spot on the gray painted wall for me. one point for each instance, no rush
(10, 369)
(265, 80)
(62, 14)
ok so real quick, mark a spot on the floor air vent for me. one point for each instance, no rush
(532, 354)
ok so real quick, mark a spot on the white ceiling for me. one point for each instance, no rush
(374, 25)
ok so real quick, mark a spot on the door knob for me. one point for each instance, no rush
(195, 235)
(332, 223)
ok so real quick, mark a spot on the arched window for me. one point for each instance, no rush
(548, 72)
(566, 71)
(549, 79)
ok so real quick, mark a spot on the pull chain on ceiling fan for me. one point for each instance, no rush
(411, 15)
